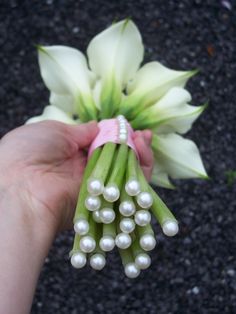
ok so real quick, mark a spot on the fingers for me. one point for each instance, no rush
(85, 133)
(142, 141)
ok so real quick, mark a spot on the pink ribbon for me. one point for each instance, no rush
(109, 132)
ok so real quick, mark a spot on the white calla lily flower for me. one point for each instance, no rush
(63, 102)
(160, 177)
(178, 157)
(170, 114)
(150, 83)
(115, 55)
(65, 72)
(97, 93)
(52, 113)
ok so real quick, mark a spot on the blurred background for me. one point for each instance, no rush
(195, 272)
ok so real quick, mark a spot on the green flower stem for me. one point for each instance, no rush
(126, 256)
(124, 196)
(97, 238)
(119, 166)
(109, 229)
(104, 162)
(106, 204)
(93, 228)
(131, 172)
(160, 210)
(76, 246)
(144, 230)
(136, 248)
(142, 180)
(81, 211)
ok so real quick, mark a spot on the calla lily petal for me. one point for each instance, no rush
(154, 80)
(151, 83)
(118, 50)
(63, 102)
(160, 177)
(52, 113)
(170, 114)
(97, 93)
(64, 70)
(179, 157)
(179, 121)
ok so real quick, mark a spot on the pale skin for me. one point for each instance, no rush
(41, 168)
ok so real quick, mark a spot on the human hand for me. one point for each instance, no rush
(44, 162)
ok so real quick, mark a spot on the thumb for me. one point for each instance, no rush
(85, 133)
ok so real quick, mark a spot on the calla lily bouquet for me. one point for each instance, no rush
(115, 199)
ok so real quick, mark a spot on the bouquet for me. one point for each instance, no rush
(115, 200)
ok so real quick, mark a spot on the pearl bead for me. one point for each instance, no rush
(87, 244)
(122, 124)
(92, 203)
(120, 117)
(107, 215)
(132, 187)
(97, 261)
(127, 208)
(78, 260)
(147, 242)
(122, 138)
(143, 261)
(96, 216)
(123, 131)
(111, 193)
(170, 228)
(131, 270)
(145, 200)
(127, 225)
(142, 217)
(95, 187)
(107, 243)
(81, 226)
(123, 240)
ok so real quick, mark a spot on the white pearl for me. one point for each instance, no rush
(122, 124)
(145, 200)
(107, 243)
(87, 244)
(147, 242)
(132, 187)
(97, 261)
(92, 203)
(96, 216)
(122, 138)
(127, 208)
(111, 193)
(131, 270)
(142, 217)
(143, 261)
(127, 225)
(170, 228)
(123, 131)
(81, 226)
(78, 260)
(95, 187)
(123, 240)
(107, 215)
(120, 117)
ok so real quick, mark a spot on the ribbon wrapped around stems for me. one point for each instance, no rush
(116, 131)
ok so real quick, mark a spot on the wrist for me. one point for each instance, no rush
(20, 210)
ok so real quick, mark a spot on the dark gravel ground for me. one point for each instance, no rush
(196, 271)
